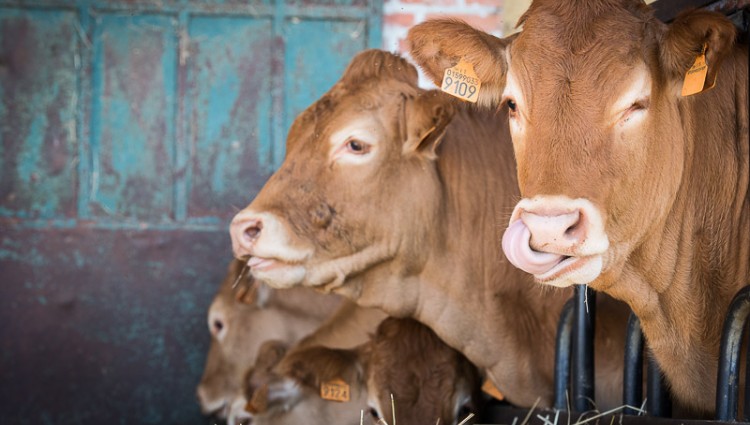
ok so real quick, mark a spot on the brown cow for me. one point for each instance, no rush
(627, 185)
(349, 327)
(428, 381)
(392, 196)
(239, 327)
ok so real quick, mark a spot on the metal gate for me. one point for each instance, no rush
(129, 133)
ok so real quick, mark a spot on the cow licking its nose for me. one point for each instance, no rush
(558, 229)
(245, 230)
(556, 239)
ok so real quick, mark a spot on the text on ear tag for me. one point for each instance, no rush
(335, 390)
(461, 81)
(695, 78)
(490, 389)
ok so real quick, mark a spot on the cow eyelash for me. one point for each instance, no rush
(639, 105)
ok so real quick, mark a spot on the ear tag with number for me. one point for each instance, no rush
(335, 390)
(695, 78)
(461, 81)
(489, 388)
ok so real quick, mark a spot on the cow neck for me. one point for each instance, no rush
(488, 309)
(692, 266)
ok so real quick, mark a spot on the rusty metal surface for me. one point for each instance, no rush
(130, 132)
(38, 78)
(105, 326)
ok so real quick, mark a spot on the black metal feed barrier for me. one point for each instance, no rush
(578, 393)
(728, 382)
(575, 341)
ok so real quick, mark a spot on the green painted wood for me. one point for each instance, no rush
(132, 116)
(38, 78)
(312, 68)
(229, 86)
(130, 132)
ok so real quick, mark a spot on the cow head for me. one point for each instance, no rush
(339, 203)
(592, 91)
(289, 392)
(241, 317)
(428, 380)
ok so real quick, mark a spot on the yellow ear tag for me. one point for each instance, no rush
(461, 81)
(695, 79)
(490, 389)
(335, 390)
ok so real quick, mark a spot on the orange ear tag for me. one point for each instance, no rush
(461, 81)
(695, 78)
(490, 389)
(335, 390)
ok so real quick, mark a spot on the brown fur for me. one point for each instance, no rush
(274, 314)
(403, 358)
(427, 249)
(674, 190)
(408, 360)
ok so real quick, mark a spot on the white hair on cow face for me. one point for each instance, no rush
(632, 105)
(356, 142)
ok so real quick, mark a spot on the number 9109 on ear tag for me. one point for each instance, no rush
(461, 81)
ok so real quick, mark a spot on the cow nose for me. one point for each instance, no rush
(554, 231)
(245, 230)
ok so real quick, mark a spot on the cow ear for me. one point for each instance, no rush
(280, 393)
(423, 122)
(686, 38)
(439, 44)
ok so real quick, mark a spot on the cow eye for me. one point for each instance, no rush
(512, 107)
(635, 108)
(357, 147)
(218, 325)
(374, 413)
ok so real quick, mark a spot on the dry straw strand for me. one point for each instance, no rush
(471, 415)
(528, 415)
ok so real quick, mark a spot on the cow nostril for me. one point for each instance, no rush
(253, 232)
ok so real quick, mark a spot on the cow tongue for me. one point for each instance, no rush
(518, 250)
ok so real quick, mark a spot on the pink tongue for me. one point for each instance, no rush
(516, 247)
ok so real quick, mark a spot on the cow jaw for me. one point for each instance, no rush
(561, 241)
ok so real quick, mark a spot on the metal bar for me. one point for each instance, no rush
(563, 347)
(667, 10)
(583, 349)
(658, 400)
(727, 387)
(632, 384)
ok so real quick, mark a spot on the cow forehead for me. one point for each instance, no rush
(563, 82)
(344, 104)
(574, 53)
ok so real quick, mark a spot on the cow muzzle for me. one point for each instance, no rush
(262, 239)
(561, 241)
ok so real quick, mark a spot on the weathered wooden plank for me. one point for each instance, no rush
(38, 151)
(312, 68)
(229, 112)
(132, 116)
(109, 332)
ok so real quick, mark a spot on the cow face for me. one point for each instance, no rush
(593, 97)
(289, 393)
(339, 203)
(240, 320)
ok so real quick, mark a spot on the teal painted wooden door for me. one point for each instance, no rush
(130, 133)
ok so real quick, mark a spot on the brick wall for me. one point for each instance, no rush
(497, 17)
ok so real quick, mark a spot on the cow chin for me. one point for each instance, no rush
(282, 277)
(572, 271)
